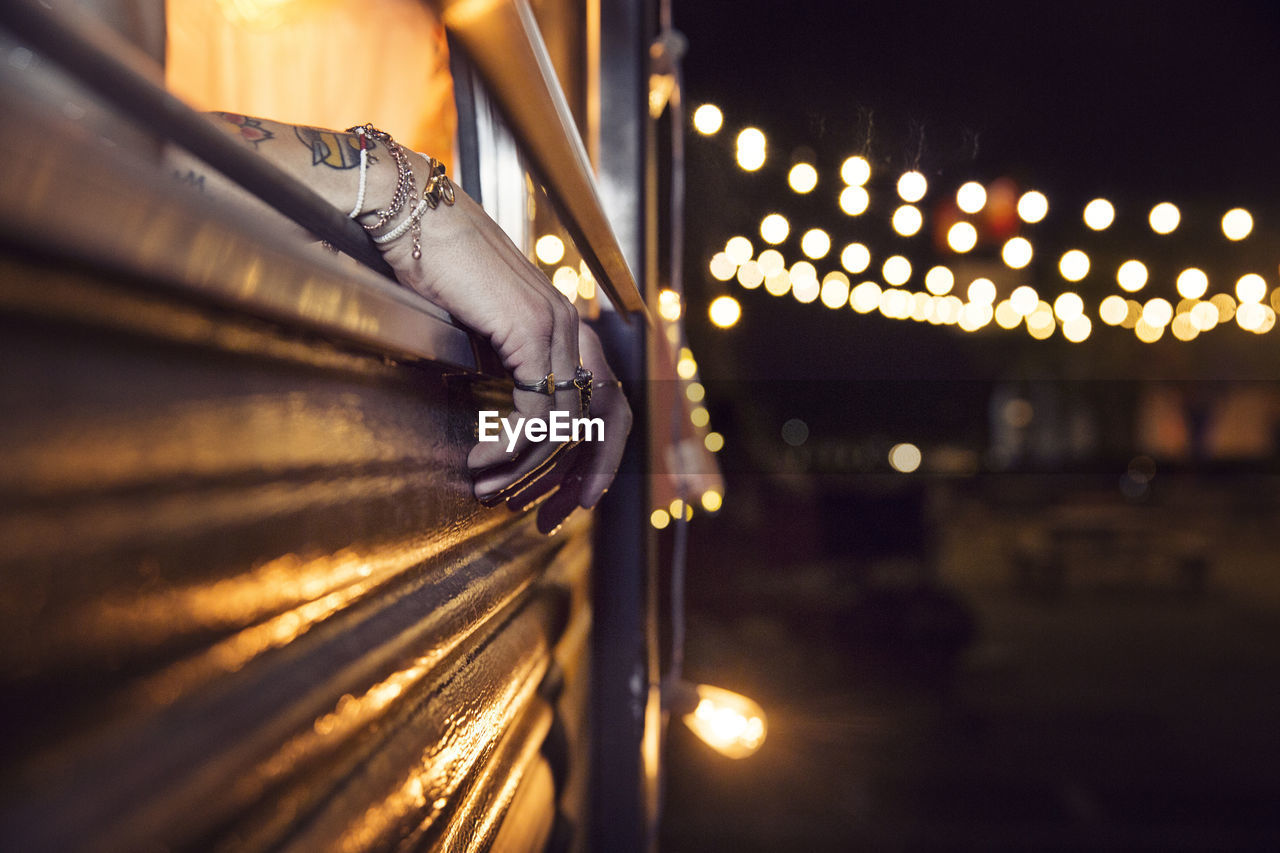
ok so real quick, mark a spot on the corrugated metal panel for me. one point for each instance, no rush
(247, 600)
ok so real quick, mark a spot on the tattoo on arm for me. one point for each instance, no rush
(335, 150)
(191, 178)
(249, 129)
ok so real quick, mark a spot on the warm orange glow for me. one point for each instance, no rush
(728, 722)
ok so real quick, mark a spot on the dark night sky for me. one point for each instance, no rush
(1150, 95)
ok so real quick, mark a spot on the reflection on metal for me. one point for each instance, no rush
(502, 40)
(263, 601)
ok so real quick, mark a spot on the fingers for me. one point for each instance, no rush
(469, 267)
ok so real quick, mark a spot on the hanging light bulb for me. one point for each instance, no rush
(728, 722)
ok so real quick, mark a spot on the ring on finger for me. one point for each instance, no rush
(545, 385)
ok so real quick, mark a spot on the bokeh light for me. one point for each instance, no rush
(897, 270)
(1074, 265)
(1099, 214)
(907, 220)
(971, 197)
(1033, 207)
(802, 178)
(815, 243)
(1017, 252)
(1192, 283)
(912, 186)
(1164, 218)
(724, 311)
(962, 237)
(774, 228)
(1237, 223)
(939, 280)
(1132, 276)
(707, 119)
(855, 258)
(855, 171)
(854, 200)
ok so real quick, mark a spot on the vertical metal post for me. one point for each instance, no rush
(624, 654)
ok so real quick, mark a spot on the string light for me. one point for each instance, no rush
(1099, 214)
(1074, 265)
(751, 149)
(1131, 276)
(855, 258)
(912, 186)
(1017, 253)
(1033, 207)
(724, 311)
(855, 171)
(815, 243)
(549, 249)
(971, 197)
(907, 220)
(1237, 223)
(1192, 283)
(707, 119)
(774, 228)
(962, 237)
(854, 200)
(802, 178)
(939, 281)
(1164, 217)
(732, 724)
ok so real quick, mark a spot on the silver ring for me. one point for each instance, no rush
(545, 385)
(582, 382)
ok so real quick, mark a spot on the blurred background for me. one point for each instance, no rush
(980, 303)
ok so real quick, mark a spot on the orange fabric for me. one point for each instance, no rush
(323, 63)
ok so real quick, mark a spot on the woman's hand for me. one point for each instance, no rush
(470, 268)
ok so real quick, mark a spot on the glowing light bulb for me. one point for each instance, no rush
(774, 228)
(897, 270)
(1033, 206)
(1131, 276)
(855, 258)
(707, 119)
(1068, 305)
(939, 281)
(1251, 288)
(835, 290)
(1099, 214)
(549, 249)
(1164, 218)
(912, 186)
(1113, 310)
(565, 280)
(751, 275)
(854, 200)
(669, 307)
(1017, 253)
(724, 311)
(751, 149)
(1157, 312)
(905, 457)
(739, 250)
(982, 291)
(802, 178)
(855, 171)
(971, 197)
(771, 261)
(1074, 265)
(722, 268)
(962, 237)
(815, 243)
(1192, 283)
(865, 297)
(712, 500)
(1237, 223)
(1024, 300)
(907, 220)
(1077, 329)
(728, 722)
